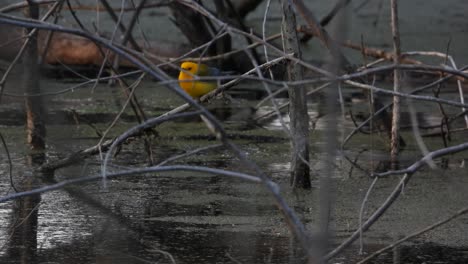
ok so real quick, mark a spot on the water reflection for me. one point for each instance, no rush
(207, 219)
(21, 243)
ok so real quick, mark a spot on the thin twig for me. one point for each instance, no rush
(415, 234)
(394, 194)
(424, 161)
(130, 173)
(395, 132)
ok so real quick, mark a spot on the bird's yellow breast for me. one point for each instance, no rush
(187, 82)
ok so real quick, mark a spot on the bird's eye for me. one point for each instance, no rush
(189, 68)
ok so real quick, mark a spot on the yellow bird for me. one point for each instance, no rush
(197, 88)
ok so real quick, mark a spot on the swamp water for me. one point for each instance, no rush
(200, 218)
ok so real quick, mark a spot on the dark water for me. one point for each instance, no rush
(199, 218)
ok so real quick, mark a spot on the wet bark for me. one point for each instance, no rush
(199, 31)
(299, 124)
(193, 26)
(395, 133)
(35, 128)
(22, 245)
(244, 7)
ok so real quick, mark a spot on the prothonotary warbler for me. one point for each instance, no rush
(197, 88)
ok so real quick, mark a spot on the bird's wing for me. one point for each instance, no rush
(214, 71)
(202, 70)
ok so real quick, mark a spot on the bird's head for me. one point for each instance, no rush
(190, 67)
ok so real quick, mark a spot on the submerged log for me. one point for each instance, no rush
(75, 50)
(69, 49)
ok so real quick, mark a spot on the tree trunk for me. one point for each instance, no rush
(193, 27)
(395, 135)
(35, 128)
(299, 125)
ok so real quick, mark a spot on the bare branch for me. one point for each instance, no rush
(430, 156)
(415, 234)
(394, 195)
(132, 173)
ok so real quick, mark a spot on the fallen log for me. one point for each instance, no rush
(74, 50)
